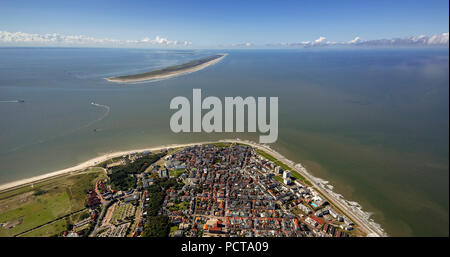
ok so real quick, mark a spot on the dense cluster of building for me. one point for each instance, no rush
(228, 190)
(234, 191)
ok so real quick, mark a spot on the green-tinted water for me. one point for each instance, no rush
(372, 122)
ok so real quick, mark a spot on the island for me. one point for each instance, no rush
(170, 71)
(210, 189)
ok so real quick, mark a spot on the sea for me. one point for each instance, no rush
(372, 122)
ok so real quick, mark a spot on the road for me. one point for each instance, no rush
(362, 223)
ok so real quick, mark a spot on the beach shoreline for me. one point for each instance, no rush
(352, 209)
(120, 79)
(84, 165)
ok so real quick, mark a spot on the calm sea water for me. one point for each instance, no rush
(373, 122)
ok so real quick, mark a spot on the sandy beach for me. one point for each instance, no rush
(85, 165)
(358, 216)
(167, 75)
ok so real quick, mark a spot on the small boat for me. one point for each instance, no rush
(21, 101)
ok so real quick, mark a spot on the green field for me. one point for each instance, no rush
(25, 208)
(220, 144)
(181, 206)
(173, 229)
(279, 178)
(177, 172)
(49, 230)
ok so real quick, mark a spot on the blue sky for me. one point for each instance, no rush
(208, 23)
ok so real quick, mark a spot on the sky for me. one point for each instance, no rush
(227, 23)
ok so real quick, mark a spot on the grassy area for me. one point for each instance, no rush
(176, 173)
(179, 206)
(173, 229)
(294, 173)
(77, 217)
(112, 160)
(174, 150)
(279, 178)
(220, 144)
(53, 229)
(27, 207)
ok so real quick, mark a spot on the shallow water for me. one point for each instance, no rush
(373, 122)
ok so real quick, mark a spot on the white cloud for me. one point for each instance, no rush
(355, 40)
(320, 40)
(28, 39)
(441, 40)
(248, 44)
(438, 39)
(422, 40)
(21, 38)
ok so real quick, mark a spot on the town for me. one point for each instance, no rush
(209, 190)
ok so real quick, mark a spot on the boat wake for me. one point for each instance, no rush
(105, 114)
(106, 108)
(12, 101)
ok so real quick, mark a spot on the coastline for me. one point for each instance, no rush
(166, 75)
(350, 208)
(84, 165)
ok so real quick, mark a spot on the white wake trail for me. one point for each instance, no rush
(107, 110)
(104, 115)
(9, 101)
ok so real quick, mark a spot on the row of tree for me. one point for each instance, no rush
(158, 225)
(122, 177)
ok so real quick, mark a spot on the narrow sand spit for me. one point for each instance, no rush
(164, 74)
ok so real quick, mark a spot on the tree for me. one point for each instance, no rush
(156, 226)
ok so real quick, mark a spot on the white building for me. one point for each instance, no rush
(287, 181)
(278, 170)
(304, 208)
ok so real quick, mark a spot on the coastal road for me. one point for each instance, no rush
(361, 222)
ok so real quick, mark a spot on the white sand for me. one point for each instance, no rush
(167, 75)
(370, 228)
(84, 165)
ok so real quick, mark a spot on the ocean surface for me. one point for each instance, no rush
(375, 123)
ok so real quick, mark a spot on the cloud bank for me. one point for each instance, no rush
(27, 39)
(21, 38)
(440, 40)
(247, 44)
